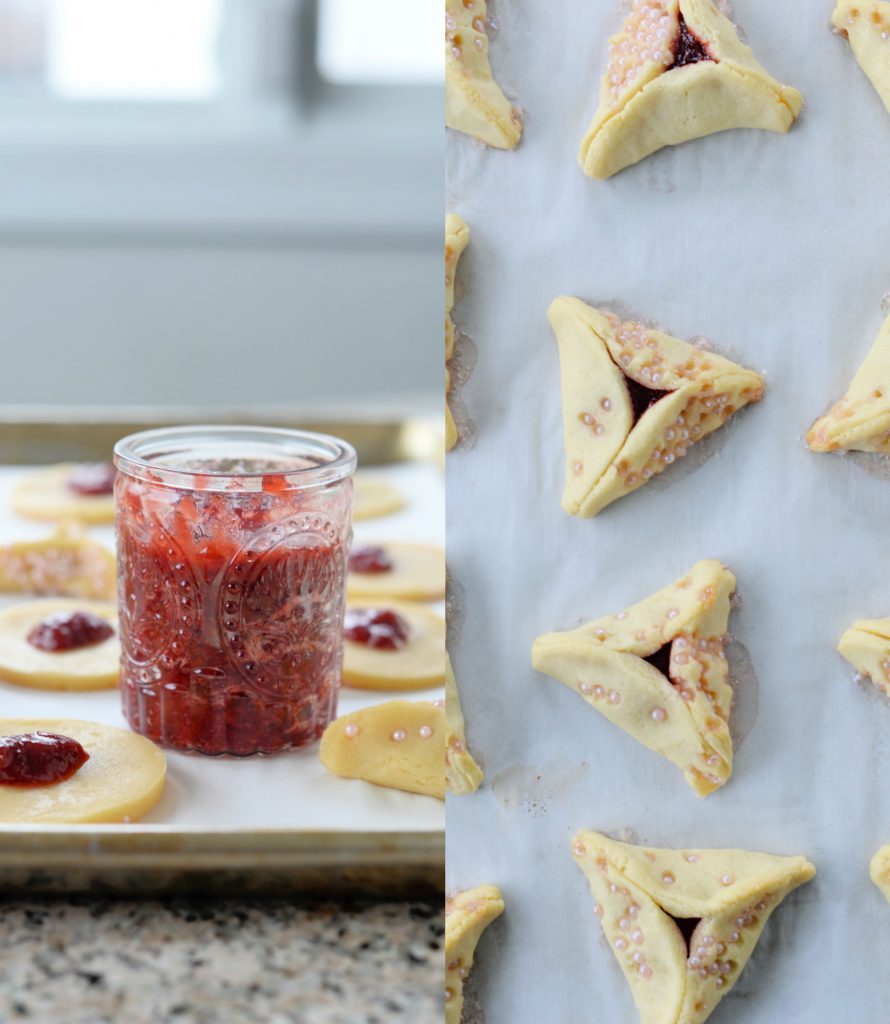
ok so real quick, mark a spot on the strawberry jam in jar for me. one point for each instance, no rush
(232, 545)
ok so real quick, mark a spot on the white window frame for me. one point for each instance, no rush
(327, 161)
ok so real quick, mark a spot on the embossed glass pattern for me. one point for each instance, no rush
(232, 548)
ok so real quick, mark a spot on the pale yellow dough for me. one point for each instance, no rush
(645, 104)
(67, 563)
(375, 498)
(457, 236)
(417, 574)
(419, 665)
(467, 915)
(398, 744)
(96, 667)
(685, 717)
(860, 421)
(607, 454)
(462, 774)
(866, 645)
(639, 890)
(45, 495)
(123, 779)
(879, 870)
(866, 23)
(474, 102)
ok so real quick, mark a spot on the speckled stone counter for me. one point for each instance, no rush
(91, 961)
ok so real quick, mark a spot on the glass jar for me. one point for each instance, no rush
(232, 545)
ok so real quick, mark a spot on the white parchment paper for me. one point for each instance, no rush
(290, 790)
(776, 249)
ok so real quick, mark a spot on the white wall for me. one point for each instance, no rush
(228, 322)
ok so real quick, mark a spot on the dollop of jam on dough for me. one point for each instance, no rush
(369, 559)
(382, 630)
(92, 478)
(688, 49)
(39, 759)
(68, 631)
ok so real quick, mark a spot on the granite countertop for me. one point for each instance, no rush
(89, 961)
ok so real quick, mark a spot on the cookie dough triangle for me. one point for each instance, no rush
(866, 645)
(467, 915)
(462, 774)
(678, 71)
(457, 237)
(879, 870)
(683, 923)
(658, 671)
(867, 26)
(474, 102)
(634, 401)
(860, 421)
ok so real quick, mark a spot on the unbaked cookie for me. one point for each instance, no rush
(474, 102)
(678, 71)
(866, 645)
(67, 563)
(683, 923)
(866, 23)
(462, 774)
(375, 497)
(467, 915)
(860, 421)
(457, 236)
(122, 780)
(394, 645)
(398, 744)
(634, 400)
(392, 569)
(879, 870)
(658, 671)
(78, 491)
(60, 644)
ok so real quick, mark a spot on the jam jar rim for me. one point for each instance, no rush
(141, 455)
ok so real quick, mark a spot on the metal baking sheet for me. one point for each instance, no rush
(774, 247)
(285, 817)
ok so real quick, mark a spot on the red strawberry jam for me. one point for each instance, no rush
(231, 589)
(67, 631)
(92, 478)
(688, 49)
(39, 759)
(369, 560)
(384, 630)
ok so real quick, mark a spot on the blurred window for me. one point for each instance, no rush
(162, 50)
(379, 41)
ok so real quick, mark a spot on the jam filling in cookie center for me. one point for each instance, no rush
(661, 660)
(382, 630)
(69, 631)
(370, 560)
(688, 49)
(92, 478)
(642, 398)
(39, 759)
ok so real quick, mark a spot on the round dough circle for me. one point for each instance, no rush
(44, 495)
(86, 668)
(375, 497)
(418, 665)
(417, 574)
(123, 779)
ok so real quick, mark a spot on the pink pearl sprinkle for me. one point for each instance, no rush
(585, 688)
(727, 880)
(621, 943)
(598, 910)
(425, 732)
(399, 735)
(645, 971)
(614, 697)
(352, 730)
(668, 878)
(658, 714)
(637, 936)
